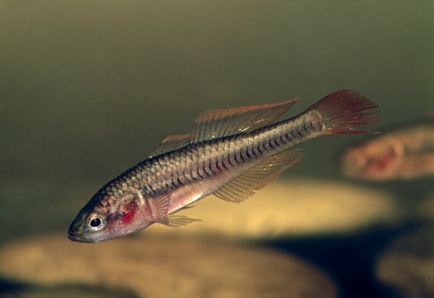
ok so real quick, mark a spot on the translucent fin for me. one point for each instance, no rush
(346, 108)
(159, 206)
(180, 220)
(219, 123)
(244, 185)
(171, 143)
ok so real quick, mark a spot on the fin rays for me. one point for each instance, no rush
(180, 220)
(214, 124)
(243, 186)
(171, 143)
(160, 204)
(219, 123)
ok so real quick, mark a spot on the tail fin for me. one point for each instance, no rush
(343, 109)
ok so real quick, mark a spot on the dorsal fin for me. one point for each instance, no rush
(171, 143)
(214, 124)
(243, 186)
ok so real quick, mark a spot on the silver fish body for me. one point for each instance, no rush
(229, 153)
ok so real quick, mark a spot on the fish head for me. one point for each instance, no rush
(370, 161)
(107, 217)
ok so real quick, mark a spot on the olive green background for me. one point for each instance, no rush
(89, 88)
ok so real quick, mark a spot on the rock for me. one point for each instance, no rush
(158, 266)
(408, 264)
(67, 291)
(291, 208)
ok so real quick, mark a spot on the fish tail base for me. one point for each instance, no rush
(344, 109)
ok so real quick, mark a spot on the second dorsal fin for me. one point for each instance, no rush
(214, 124)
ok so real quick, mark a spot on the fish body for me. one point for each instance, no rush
(229, 153)
(402, 153)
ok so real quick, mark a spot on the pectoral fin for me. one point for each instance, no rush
(159, 206)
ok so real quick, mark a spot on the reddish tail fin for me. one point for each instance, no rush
(343, 109)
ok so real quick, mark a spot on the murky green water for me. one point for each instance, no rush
(88, 89)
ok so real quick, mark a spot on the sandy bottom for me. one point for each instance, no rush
(159, 266)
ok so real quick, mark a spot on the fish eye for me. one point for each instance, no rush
(96, 221)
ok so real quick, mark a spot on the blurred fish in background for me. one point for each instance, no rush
(406, 152)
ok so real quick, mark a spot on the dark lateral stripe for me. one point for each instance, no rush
(237, 157)
(229, 160)
(193, 177)
(245, 155)
(208, 168)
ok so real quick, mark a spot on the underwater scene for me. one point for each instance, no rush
(216, 148)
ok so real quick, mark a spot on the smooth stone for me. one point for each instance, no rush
(291, 207)
(408, 264)
(159, 266)
(67, 291)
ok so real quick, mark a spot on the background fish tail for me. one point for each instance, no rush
(344, 109)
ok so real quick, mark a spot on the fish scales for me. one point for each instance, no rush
(229, 153)
(198, 162)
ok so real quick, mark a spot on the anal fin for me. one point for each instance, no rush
(243, 186)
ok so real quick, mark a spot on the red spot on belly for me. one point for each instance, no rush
(382, 164)
(129, 212)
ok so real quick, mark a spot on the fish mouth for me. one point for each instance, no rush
(77, 238)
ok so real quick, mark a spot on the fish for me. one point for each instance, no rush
(402, 153)
(229, 153)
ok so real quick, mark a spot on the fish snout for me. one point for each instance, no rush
(76, 237)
